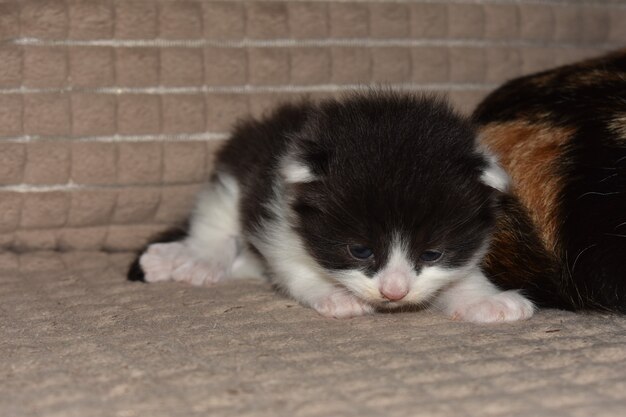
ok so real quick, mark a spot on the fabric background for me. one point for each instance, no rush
(77, 340)
(110, 111)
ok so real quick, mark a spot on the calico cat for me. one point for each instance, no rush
(561, 136)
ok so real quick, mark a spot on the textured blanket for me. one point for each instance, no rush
(110, 113)
(79, 340)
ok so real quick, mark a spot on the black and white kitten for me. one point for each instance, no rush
(350, 206)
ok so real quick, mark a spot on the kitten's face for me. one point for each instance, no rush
(393, 253)
(391, 198)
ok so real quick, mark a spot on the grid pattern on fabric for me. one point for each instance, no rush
(110, 111)
(80, 341)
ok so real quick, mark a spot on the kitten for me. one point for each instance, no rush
(561, 135)
(373, 202)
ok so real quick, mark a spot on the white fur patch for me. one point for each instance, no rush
(294, 270)
(396, 278)
(342, 304)
(174, 261)
(159, 260)
(212, 251)
(297, 272)
(296, 172)
(215, 233)
(474, 298)
(431, 280)
(502, 307)
(216, 214)
(494, 176)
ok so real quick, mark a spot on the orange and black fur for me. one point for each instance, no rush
(561, 136)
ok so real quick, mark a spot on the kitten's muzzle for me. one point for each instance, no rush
(393, 290)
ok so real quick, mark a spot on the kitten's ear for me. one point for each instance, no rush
(295, 171)
(306, 159)
(301, 184)
(494, 175)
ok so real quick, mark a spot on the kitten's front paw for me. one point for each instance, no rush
(501, 307)
(341, 305)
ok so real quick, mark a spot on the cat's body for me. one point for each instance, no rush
(561, 136)
(360, 230)
(376, 201)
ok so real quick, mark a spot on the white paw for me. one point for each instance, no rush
(158, 261)
(342, 305)
(501, 307)
(174, 261)
(197, 272)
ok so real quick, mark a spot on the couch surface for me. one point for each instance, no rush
(79, 340)
(110, 112)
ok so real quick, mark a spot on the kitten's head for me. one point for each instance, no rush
(391, 196)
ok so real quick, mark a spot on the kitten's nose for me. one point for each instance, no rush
(394, 292)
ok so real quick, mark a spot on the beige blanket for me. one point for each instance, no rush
(82, 341)
(110, 112)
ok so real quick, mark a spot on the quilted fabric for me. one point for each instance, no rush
(79, 340)
(110, 111)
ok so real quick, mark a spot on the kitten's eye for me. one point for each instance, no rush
(430, 255)
(360, 252)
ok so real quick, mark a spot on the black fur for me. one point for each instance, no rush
(392, 164)
(590, 99)
(389, 163)
(386, 163)
(252, 155)
(518, 260)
